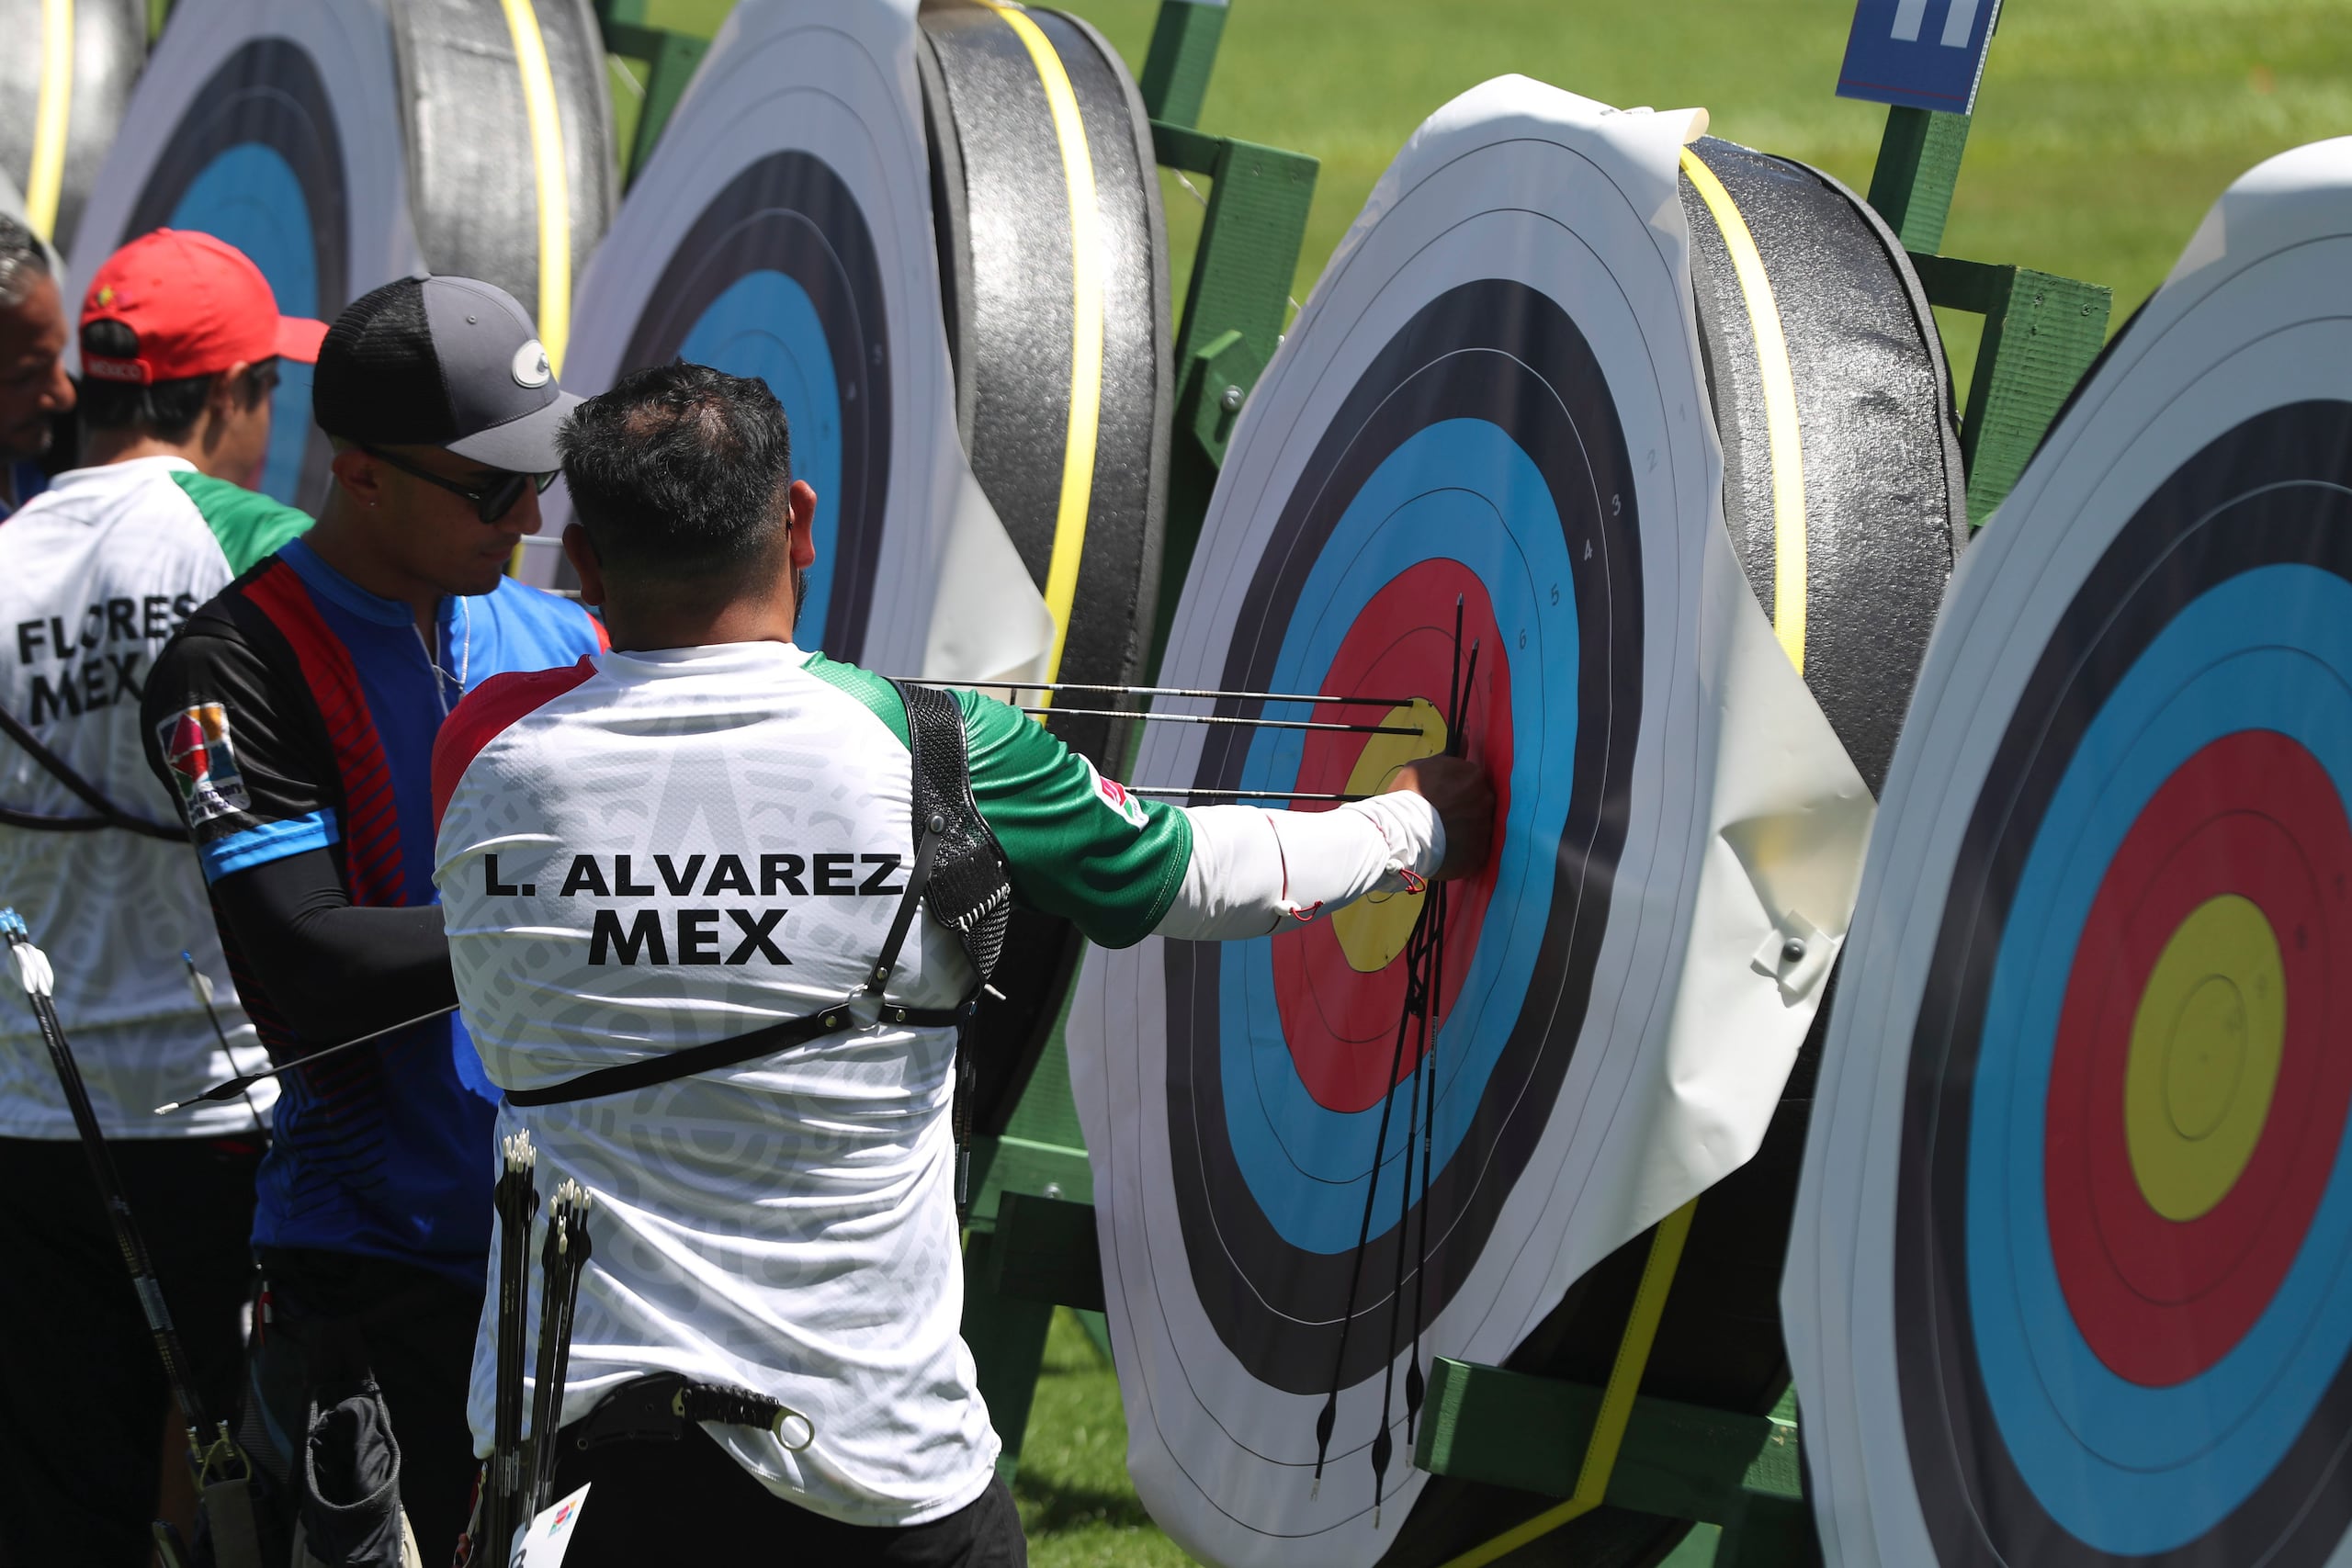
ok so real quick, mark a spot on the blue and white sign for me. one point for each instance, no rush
(1923, 54)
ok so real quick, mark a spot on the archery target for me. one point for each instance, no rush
(1046, 205)
(781, 230)
(61, 99)
(2072, 1258)
(1494, 397)
(1844, 496)
(304, 132)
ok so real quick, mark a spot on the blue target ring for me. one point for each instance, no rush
(778, 277)
(764, 325)
(1480, 446)
(251, 198)
(2131, 1469)
(257, 161)
(2218, 624)
(1305, 1164)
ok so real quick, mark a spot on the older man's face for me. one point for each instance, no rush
(33, 387)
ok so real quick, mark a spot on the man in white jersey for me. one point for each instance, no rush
(706, 833)
(180, 341)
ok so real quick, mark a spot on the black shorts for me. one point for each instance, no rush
(689, 1502)
(82, 1391)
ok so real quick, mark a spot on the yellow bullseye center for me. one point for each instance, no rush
(2205, 1043)
(1374, 931)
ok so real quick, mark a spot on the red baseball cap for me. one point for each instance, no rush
(196, 306)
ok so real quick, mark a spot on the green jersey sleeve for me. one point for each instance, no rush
(248, 526)
(1076, 844)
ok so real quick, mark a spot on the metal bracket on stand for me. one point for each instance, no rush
(1235, 310)
(2042, 331)
(670, 60)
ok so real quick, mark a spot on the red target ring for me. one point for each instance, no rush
(2161, 1298)
(1339, 1018)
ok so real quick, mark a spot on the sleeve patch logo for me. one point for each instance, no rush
(204, 763)
(1115, 795)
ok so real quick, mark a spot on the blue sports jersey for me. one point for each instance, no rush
(297, 712)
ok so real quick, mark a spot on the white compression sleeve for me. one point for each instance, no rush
(1252, 868)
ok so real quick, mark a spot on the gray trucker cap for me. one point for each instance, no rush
(450, 362)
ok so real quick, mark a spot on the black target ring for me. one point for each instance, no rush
(1499, 352)
(269, 94)
(790, 213)
(2274, 492)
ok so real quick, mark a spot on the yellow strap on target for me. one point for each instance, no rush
(1779, 408)
(1085, 329)
(1616, 1400)
(539, 108)
(545, 119)
(52, 117)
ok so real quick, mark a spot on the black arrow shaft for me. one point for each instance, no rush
(239, 1085)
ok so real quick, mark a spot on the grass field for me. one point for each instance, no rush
(2104, 130)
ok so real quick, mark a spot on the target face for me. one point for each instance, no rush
(781, 230)
(2143, 1191)
(778, 279)
(283, 127)
(257, 161)
(1291, 1037)
(1493, 400)
(2108, 1301)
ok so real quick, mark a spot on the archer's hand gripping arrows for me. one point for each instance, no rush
(220, 1466)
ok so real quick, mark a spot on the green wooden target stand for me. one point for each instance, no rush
(1031, 1246)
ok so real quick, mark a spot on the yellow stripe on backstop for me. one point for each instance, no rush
(1780, 410)
(53, 116)
(1085, 330)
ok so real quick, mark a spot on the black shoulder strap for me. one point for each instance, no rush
(109, 815)
(971, 893)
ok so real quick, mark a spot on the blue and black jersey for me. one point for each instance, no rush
(294, 716)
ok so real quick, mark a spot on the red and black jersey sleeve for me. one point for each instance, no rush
(240, 744)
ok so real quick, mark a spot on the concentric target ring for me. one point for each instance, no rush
(288, 131)
(781, 230)
(778, 279)
(2185, 749)
(259, 162)
(1491, 399)
(2067, 1286)
(1490, 379)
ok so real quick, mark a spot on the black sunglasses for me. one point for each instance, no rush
(489, 504)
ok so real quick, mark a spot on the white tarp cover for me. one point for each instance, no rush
(1495, 391)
